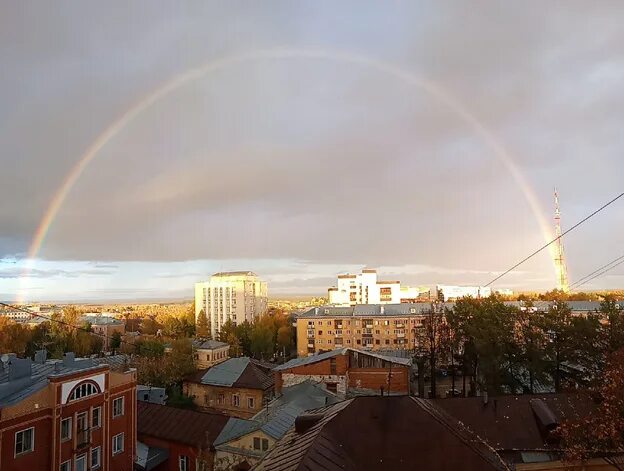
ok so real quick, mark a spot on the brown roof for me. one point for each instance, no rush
(184, 426)
(509, 422)
(382, 433)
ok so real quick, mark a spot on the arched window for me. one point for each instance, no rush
(84, 390)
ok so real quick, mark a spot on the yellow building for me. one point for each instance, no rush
(365, 326)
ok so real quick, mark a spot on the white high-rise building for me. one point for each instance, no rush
(237, 296)
(364, 288)
(451, 293)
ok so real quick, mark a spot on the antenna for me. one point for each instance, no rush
(559, 259)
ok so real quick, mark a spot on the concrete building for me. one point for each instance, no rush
(366, 326)
(105, 327)
(68, 415)
(231, 296)
(211, 352)
(347, 372)
(451, 293)
(364, 288)
(238, 387)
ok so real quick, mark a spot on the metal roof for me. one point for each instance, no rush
(236, 428)
(296, 362)
(211, 345)
(242, 372)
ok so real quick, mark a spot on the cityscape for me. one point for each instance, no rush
(311, 236)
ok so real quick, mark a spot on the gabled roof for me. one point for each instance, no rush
(236, 428)
(240, 372)
(188, 427)
(211, 345)
(382, 433)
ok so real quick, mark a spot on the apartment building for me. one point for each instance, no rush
(231, 296)
(366, 326)
(67, 415)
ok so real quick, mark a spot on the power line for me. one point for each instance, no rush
(582, 280)
(556, 239)
(600, 274)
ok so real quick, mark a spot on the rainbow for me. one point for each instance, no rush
(428, 86)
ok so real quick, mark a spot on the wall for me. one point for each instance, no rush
(175, 451)
(226, 458)
(206, 397)
(208, 358)
(375, 378)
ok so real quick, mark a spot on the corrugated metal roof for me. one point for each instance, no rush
(240, 372)
(295, 362)
(236, 428)
(211, 345)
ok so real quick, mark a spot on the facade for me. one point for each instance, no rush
(368, 327)
(231, 296)
(451, 293)
(211, 352)
(177, 439)
(347, 372)
(238, 387)
(105, 327)
(73, 414)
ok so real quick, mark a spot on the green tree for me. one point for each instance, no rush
(202, 327)
(115, 341)
(243, 334)
(613, 325)
(262, 343)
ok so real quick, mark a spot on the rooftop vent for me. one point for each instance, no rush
(19, 368)
(305, 422)
(546, 420)
(68, 359)
(41, 356)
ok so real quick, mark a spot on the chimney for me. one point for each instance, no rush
(485, 398)
(57, 367)
(305, 422)
(68, 359)
(19, 368)
(41, 356)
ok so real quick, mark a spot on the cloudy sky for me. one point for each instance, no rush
(305, 139)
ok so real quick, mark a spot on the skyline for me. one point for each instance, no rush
(155, 147)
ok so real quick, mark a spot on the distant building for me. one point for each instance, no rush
(70, 414)
(231, 296)
(172, 439)
(105, 327)
(364, 288)
(451, 293)
(244, 442)
(211, 352)
(239, 387)
(347, 372)
(151, 394)
(366, 326)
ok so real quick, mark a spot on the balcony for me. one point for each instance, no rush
(400, 336)
(311, 345)
(400, 326)
(339, 333)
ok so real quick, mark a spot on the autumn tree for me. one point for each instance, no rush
(202, 328)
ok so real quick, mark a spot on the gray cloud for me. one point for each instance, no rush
(310, 159)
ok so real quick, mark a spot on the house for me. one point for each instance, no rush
(244, 442)
(349, 372)
(380, 433)
(105, 327)
(71, 414)
(523, 429)
(176, 439)
(238, 387)
(211, 352)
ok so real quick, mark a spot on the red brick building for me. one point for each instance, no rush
(183, 439)
(348, 372)
(67, 415)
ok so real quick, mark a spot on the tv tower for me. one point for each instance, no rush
(560, 264)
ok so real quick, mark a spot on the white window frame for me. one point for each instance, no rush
(122, 399)
(183, 463)
(119, 436)
(32, 442)
(99, 457)
(251, 402)
(69, 436)
(99, 424)
(236, 400)
(67, 463)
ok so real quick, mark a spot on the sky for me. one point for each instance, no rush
(301, 140)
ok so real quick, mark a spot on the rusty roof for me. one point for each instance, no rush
(184, 426)
(381, 433)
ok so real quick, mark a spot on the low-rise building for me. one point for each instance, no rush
(105, 327)
(211, 352)
(348, 372)
(70, 414)
(151, 394)
(452, 293)
(243, 443)
(175, 439)
(365, 326)
(239, 387)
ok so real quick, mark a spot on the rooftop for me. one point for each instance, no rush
(389, 435)
(240, 372)
(198, 429)
(211, 345)
(301, 361)
(234, 273)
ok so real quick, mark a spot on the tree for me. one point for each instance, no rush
(262, 343)
(243, 334)
(115, 341)
(202, 328)
(429, 338)
(613, 325)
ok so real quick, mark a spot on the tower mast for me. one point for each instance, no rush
(560, 264)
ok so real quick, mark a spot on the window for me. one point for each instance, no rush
(66, 429)
(66, 466)
(83, 390)
(96, 417)
(183, 463)
(25, 441)
(118, 443)
(82, 432)
(236, 400)
(220, 399)
(320, 332)
(96, 457)
(256, 443)
(265, 444)
(251, 403)
(81, 463)
(118, 406)
(332, 366)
